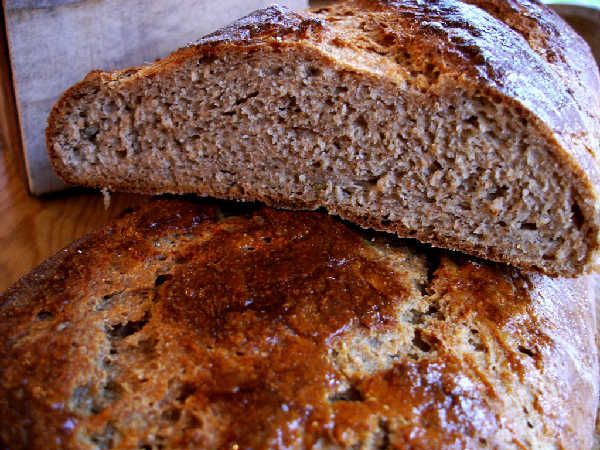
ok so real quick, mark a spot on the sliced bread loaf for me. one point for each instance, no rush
(471, 125)
(176, 327)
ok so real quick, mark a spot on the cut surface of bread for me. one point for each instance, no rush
(468, 125)
(180, 326)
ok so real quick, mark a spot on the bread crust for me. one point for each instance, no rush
(558, 91)
(152, 331)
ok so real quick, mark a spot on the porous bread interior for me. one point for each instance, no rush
(455, 168)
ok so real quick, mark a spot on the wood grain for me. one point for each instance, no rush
(9, 126)
(33, 228)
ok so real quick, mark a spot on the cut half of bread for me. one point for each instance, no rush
(180, 326)
(471, 125)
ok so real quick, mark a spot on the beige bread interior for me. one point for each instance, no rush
(288, 127)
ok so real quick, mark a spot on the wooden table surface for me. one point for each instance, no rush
(33, 228)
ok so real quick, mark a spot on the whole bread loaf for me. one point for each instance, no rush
(468, 124)
(181, 326)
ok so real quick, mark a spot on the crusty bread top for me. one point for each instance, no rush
(178, 327)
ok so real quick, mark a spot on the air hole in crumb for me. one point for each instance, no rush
(121, 331)
(171, 415)
(420, 343)
(112, 391)
(434, 167)
(239, 101)
(432, 310)
(349, 395)
(433, 264)
(313, 71)
(90, 133)
(502, 223)
(184, 391)
(529, 424)
(266, 239)
(161, 279)
(473, 120)
(478, 346)
(361, 122)
(526, 351)
(44, 315)
(121, 154)
(497, 193)
(385, 435)
(528, 226)
(577, 215)
(371, 182)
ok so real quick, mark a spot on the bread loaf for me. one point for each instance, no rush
(471, 125)
(180, 326)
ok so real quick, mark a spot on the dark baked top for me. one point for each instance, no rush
(183, 326)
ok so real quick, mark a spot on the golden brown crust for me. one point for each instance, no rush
(174, 327)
